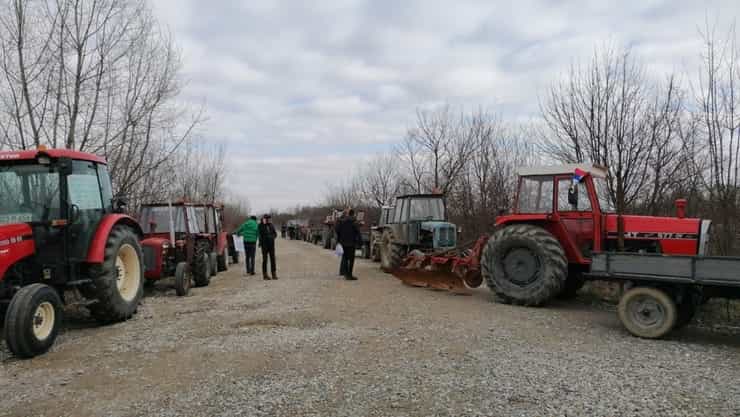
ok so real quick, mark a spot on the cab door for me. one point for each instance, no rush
(577, 219)
(85, 207)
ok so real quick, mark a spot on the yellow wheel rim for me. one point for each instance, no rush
(43, 320)
(129, 272)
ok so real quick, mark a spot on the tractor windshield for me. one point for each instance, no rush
(30, 193)
(535, 195)
(426, 209)
(156, 219)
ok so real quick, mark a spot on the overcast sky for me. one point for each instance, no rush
(300, 92)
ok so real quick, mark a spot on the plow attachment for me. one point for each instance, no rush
(456, 270)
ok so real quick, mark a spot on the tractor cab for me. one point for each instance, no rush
(420, 221)
(210, 219)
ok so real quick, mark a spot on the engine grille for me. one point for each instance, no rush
(446, 237)
(149, 258)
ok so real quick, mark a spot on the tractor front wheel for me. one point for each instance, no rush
(391, 254)
(213, 259)
(201, 265)
(183, 278)
(647, 312)
(222, 264)
(32, 321)
(524, 264)
(117, 283)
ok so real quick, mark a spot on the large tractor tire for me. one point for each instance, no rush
(183, 278)
(647, 312)
(213, 259)
(32, 321)
(117, 283)
(201, 266)
(524, 264)
(391, 254)
(223, 265)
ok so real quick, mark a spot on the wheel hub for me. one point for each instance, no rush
(43, 320)
(647, 312)
(521, 266)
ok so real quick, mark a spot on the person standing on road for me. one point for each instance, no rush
(348, 235)
(248, 232)
(267, 235)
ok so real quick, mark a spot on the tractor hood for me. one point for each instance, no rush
(677, 236)
(16, 243)
(445, 233)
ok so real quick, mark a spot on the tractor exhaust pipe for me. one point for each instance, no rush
(681, 208)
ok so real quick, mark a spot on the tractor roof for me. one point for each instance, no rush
(421, 196)
(567, 169)
(27, 155)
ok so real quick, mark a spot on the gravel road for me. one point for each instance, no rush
(311, 344)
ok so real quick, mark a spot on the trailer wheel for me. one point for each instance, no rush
(183, 278)
(117, 283)
(524, 264)
(647, 312)
(32, 321)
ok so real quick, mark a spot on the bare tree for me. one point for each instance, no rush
(380, 180)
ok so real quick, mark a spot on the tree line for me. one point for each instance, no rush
(103, 76)
(674, 136)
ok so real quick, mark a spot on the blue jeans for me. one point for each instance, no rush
(250, 250)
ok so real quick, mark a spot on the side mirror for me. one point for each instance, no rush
(573, 195)
(74, 213)
(119, 204)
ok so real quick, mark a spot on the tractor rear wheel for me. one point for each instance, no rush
(201, 265)
(32, 321)
(524, 264)
(391, 254)
(222, 264)
(213, 259)
(647, 312)
(117, 283)
(183, 278)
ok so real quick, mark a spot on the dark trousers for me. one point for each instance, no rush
(347, 264)
(250, 251)
(268, 250)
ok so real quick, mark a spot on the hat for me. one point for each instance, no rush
(267, 216)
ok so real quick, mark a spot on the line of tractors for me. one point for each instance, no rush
(64, 238)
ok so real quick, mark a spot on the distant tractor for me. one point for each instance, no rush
(419, 224)
(210, 223)
(61, 229)
(175, 246)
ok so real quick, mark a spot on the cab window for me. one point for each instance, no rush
(584, 204)
(535, 195)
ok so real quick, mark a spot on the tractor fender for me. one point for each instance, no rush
(96, 252)
(16, 244)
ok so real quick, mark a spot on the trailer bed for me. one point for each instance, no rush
(694, 270)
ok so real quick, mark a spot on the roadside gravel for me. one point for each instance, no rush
(312, 344)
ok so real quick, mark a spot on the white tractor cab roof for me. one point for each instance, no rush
(596, 171)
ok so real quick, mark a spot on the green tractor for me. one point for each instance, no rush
(419, 224)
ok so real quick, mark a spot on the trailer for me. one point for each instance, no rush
(663, 292)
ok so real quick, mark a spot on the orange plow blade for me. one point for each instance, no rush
(456, 271)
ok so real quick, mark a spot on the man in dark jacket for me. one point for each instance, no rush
(348, 235)
(267, 235)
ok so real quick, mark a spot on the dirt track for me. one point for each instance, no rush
(312, 344)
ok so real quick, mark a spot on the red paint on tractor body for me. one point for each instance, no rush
(154, 244)
(676, 236)
(16, 243)
(27, 155)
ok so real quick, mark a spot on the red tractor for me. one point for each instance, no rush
(62, 230)
(561, 216)
(210, 222)
(175, 246)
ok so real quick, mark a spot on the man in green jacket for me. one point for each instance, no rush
(248, 232)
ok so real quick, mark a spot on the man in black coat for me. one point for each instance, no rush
(348, 235)
(267, 235)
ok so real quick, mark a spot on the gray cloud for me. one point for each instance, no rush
(301, 92)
